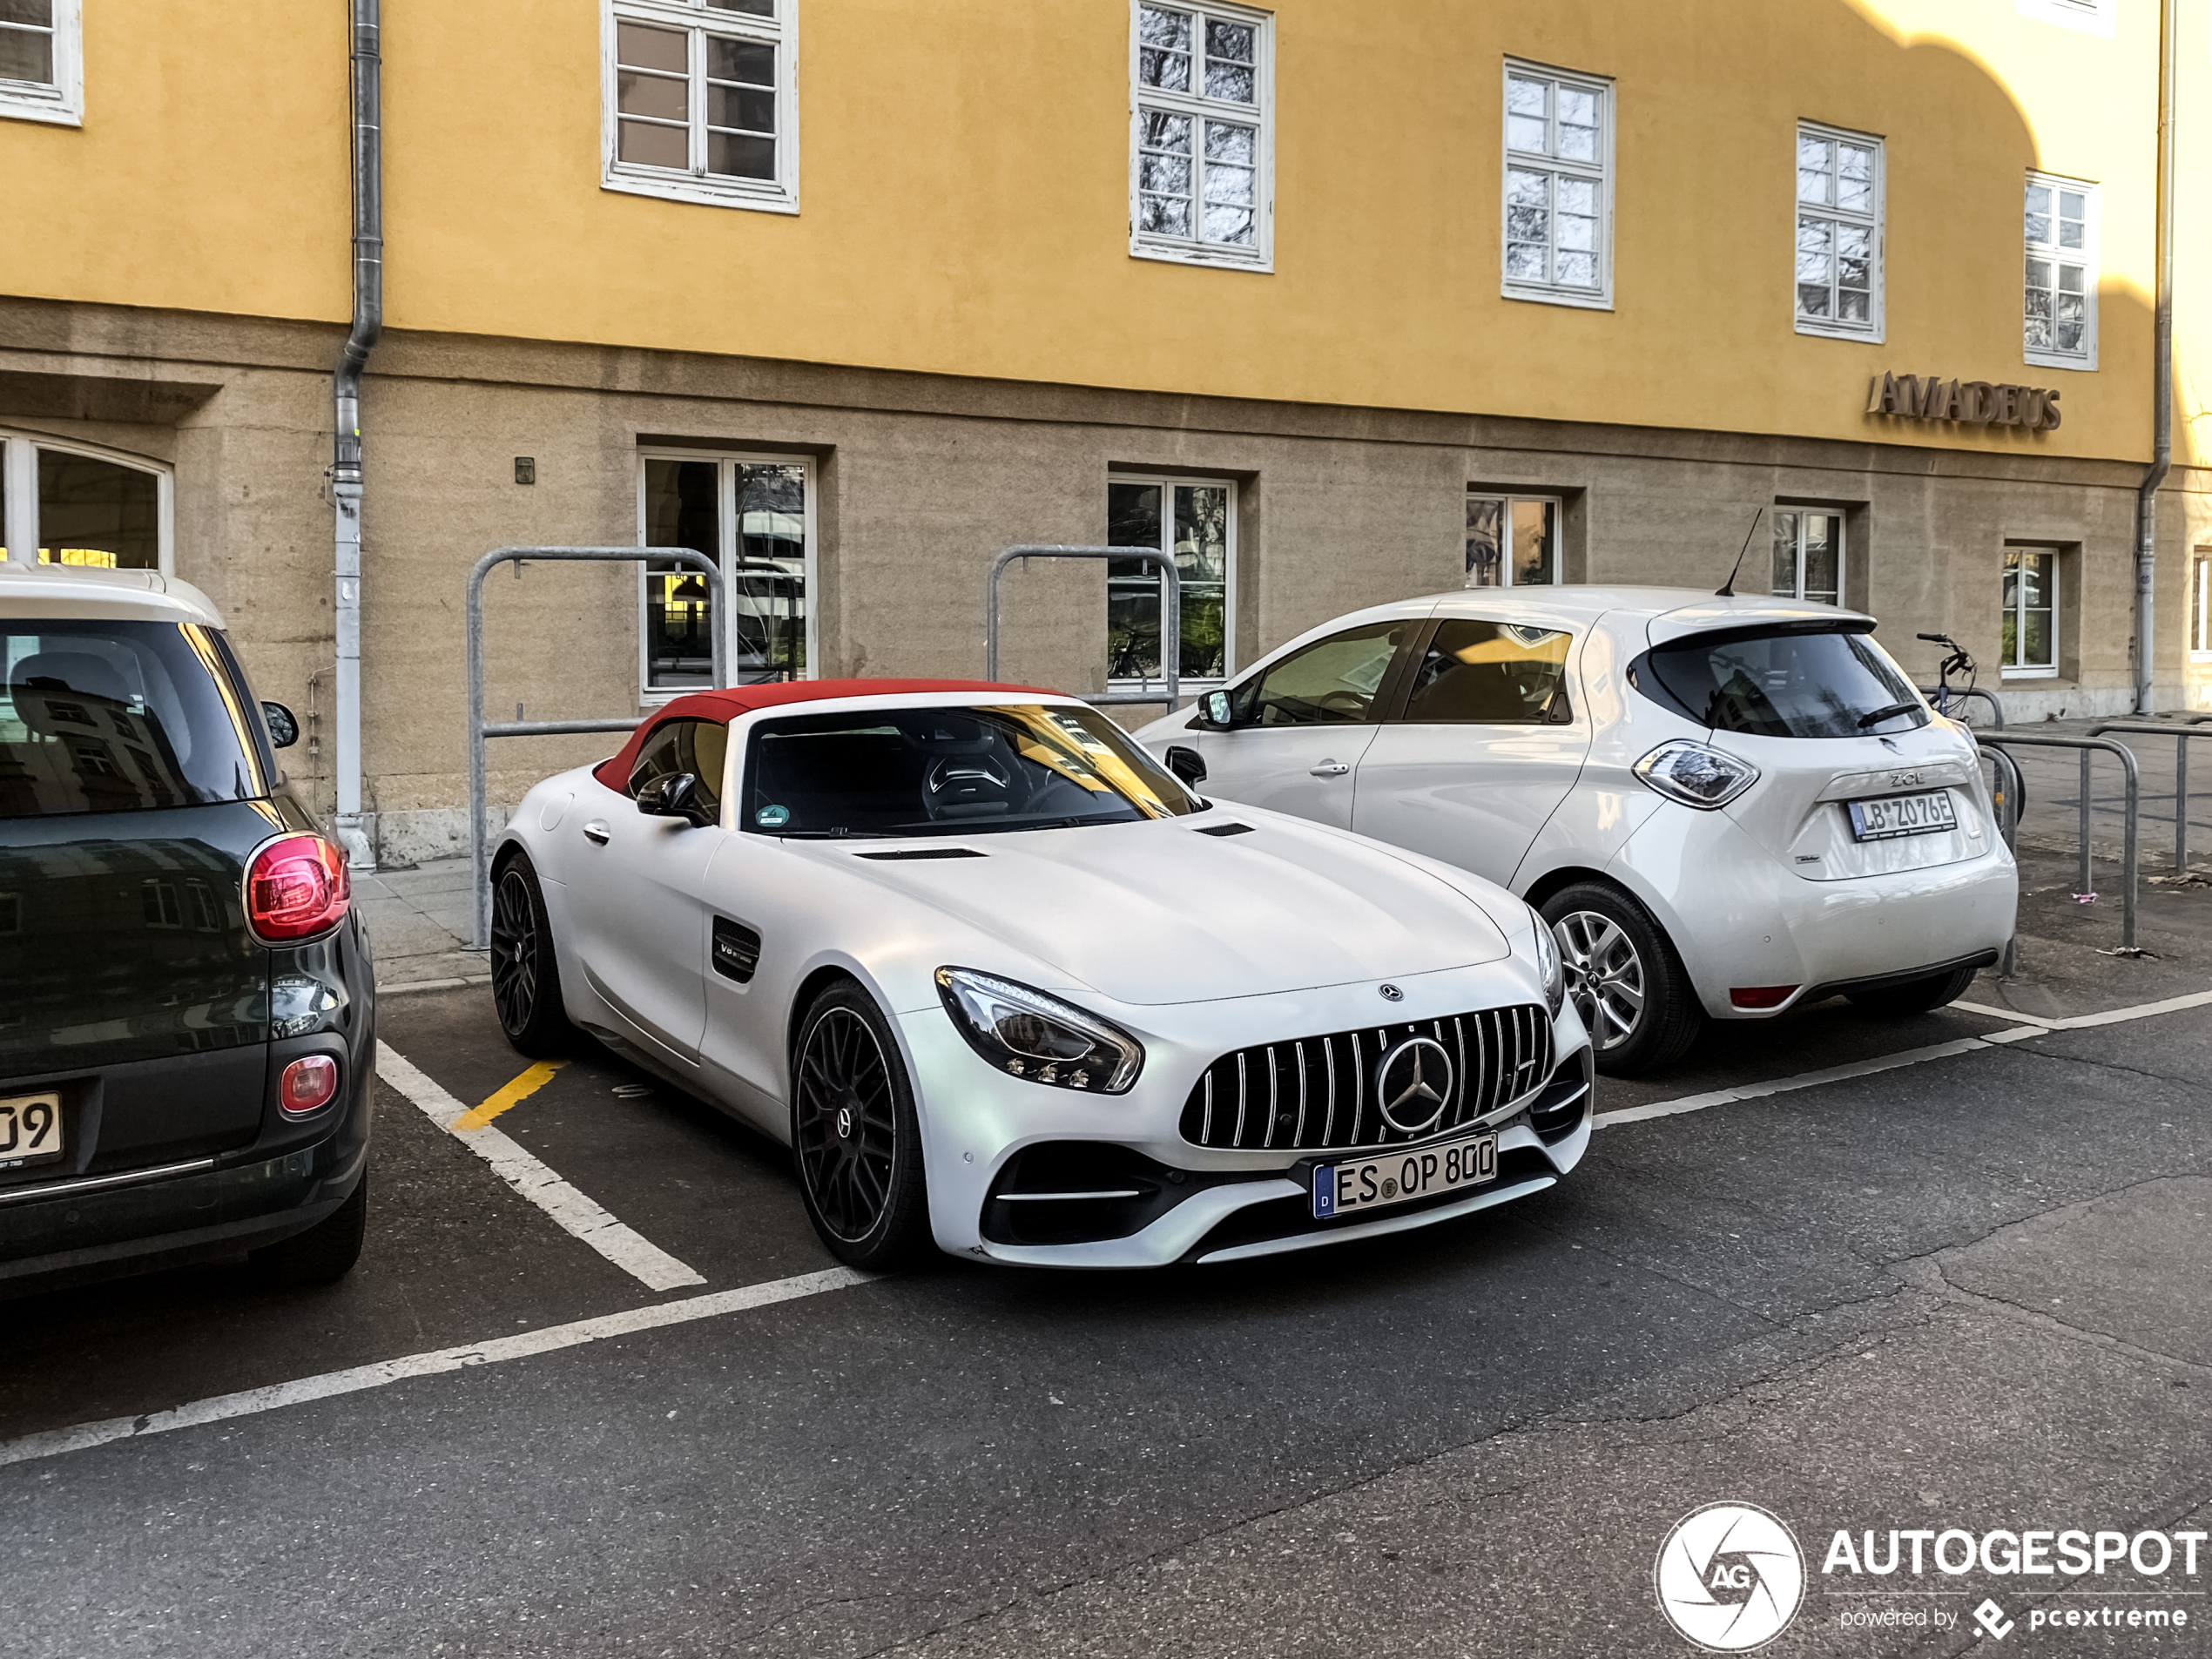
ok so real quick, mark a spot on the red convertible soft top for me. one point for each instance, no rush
(726, 705)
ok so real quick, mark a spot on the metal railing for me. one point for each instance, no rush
(2007, 795)
(2180, 734)
(2130, 862)
(1996, 708)
(479, 847)
(1170, 612)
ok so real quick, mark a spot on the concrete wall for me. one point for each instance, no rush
(921, 479)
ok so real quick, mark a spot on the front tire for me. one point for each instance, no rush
(1915, 996)
(525, 976)
(855, 1136)
(1625, 977)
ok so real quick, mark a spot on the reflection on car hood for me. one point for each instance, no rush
(1158, 913)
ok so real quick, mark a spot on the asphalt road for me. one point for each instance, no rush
(1969, 1292)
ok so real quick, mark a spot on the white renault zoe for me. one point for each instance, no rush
(1002, 981)
(1726, 807)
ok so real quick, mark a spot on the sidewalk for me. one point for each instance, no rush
(419, 925)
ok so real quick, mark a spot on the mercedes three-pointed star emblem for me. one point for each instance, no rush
(1413, 1083)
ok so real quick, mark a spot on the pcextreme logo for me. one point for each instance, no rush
(1729, 1577)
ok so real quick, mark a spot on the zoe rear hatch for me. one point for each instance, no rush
(1829, 759)
(134, 787)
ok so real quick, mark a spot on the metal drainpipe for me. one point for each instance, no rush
(2161, 374)
(345, 389)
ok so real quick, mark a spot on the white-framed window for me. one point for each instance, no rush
(1558, 208)
(753, 514)
(1808, 555)
(1194, 520)
(42, 61)
(2098, 17)
(2201, 604)
(1201, 139)
(78, 504)
(2031, 620)
(700, 101)
(1512, 541)
(2061, 227)
(1840, 233)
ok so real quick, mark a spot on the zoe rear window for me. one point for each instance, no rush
(954, 771)
(118, 716)
(1776, 683)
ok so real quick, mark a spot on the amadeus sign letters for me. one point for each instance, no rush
(1966, 402)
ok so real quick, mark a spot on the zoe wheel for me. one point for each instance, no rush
(854, 1134)
(1625, 978)
(525, 979)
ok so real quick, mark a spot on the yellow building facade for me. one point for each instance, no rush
(1333, 300)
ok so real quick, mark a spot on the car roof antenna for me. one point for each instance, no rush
(1727, 589)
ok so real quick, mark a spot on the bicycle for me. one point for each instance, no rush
(1960, 662)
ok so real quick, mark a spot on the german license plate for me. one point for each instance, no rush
(1393, 1177)
(30, 1131)
(1895, 815)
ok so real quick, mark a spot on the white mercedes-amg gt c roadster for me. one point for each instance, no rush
(1003, 982)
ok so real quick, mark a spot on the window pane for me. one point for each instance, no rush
(1331, 681)
(1577, 270)
(1229, 60)
(662, 97)
(1232, 224)
(1534, 525)
(1824, 557)
(1526, 127)
(1231, 83)
(758, 8)
(2035, 581)
(2035, 645)
(681, 510)
(1235, 145)
(1812, 170)
(735, 157)
(1132, 589)
(1486, 541)
(1169, 30)
(769, 590)
(1164, 53)
(92, 512)
(639, 47)
(1166, 132)
(1229, 40)
(38, 13)
(752, 108)
(1202, 563)
(1855, 178)
(1785, 555)
(740, 60)
(25, 56)
(1577, 124)
(1491, 673)
(1169, 175)
(1164, 216)
(655, 146)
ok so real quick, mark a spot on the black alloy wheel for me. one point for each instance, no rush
(1625, 977)
(525, 978)
(854, 1134)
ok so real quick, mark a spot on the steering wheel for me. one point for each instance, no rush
(968, 786)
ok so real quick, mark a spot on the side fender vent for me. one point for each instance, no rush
(737, 949)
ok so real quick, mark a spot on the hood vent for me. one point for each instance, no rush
(1224, 829)
(928, 853)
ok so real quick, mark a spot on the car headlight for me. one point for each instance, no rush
(1548, 962)
(1696, 774)
(1026, 1034)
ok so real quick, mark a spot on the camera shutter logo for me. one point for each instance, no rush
(1729, 1577)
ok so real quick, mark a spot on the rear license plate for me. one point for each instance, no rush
(1393, 1177)
(1895, 815)
(30, 1131)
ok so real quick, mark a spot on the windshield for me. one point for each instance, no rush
(959, 770)
(119, 716)
(1778, 683)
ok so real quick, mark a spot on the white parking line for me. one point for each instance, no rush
(550, 1339)
(2035, 1026)
(620, 1243)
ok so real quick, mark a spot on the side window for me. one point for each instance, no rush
(696, 746)
(1492, 673)
(1333, 681)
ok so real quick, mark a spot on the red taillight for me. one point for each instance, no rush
(307, 1084)
(1761, 997)
(298, 886)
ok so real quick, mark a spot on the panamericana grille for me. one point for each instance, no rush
(1318, 1093)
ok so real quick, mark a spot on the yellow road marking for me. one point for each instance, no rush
(513, 1095)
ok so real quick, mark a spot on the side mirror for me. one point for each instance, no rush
(676, 796)
(284, 725)
(1215, 709)
(1188, 765)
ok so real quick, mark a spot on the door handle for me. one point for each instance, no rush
(1330, 769)
(596, 833)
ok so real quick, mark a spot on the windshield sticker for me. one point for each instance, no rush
(773, 817)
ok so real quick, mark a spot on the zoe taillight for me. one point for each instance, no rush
(297, 887)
